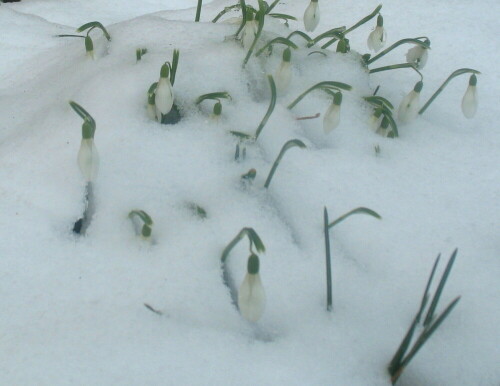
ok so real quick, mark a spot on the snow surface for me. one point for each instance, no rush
(72, 307)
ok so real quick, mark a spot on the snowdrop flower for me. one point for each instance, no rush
(408, 109)
(284, 73)
(88, 158)
(469, 101)
(375, 119)
(377, 38)
(251, 295)
(332, 115)
(164, 94)
(383, 129)
(418, 55)
(249, 31)
(311, 16)
(89, 47)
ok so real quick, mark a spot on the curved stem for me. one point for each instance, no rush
(224, 11)
(358, 24)
(395, 67)
(397, 44)
(324, 84)
(286, 146)
(280, 40)
(441, 88)
(271, 106)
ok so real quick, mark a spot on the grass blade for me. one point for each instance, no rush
(329, 296)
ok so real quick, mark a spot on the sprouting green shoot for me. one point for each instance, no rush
(146, 219)
(278, 40)
(140, 52)
(270, 109)
(286, 146)
(418, 41)
(213, 96)
(352, 28)
(326, 85)
(91, 26)
(250, 175)
(326, 229)
(173, 66)
(395, 67)
(253, 238)
(400, 360)
(454, 74)
(197, 210)
(198, 11)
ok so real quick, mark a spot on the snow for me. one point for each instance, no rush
(73, 306)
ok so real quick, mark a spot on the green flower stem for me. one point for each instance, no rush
(270, 109)
(441, 88)
(213, 95)
(282, 16)
(198, 11)
(355, 211)
(70, 36)
(253, 238)
(326, 230)
(260, 17)
(278, 40)
(271, 7)
(226, 10)
(83, 113)
(358, 24)
(395, 67)
(244, 17)
(286, 146)
(300, 33)
(338, 33)
(397, 44)
(326, 84)
(92, 25)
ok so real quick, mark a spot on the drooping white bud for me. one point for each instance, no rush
(469, 101)
(249, 33)
(408, 109)
(164, 94)
(418, 56)
(88, 159)
(251, 295)
(284, 73)
(378, 36)
(311, 16)
(332, 116)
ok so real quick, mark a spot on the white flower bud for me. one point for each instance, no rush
(377, 38)
(249, 33)
(418, 56)
(88, 159)
(251, 295)
(311, 16)
(469, 101)
(332, 116)
(164, 94)
(408, 109)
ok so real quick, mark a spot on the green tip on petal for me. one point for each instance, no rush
(89, 46)
(380, 21)
(253, 264)
(287, 55)
(164, 71)
(473, 80)
(337, 99)
(218, 108)
(418, 86)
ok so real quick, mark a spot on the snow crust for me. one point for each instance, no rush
(72, 307)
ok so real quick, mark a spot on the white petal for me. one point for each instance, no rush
(376, 39)
(151, 109)
(418, 56)
(408, 109)
(311, 16)
(251, 298)
(283, 77)
(248, 35)
(332, 118)
(164, 96)
(469, 102)
(88, 159)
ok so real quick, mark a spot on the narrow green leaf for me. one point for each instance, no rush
(283, 16)
(175, 64)
(425, 297)
(82, 113)
(395, 364)
(334, 32)
(214, 96)
(278, 40)
(226, 10)
(320, 85)
(439, 290)
(244, 15)
(378, 101)
(94, 24)
(241, 135)
(360, 210)
(329, 289)
(301, 34)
